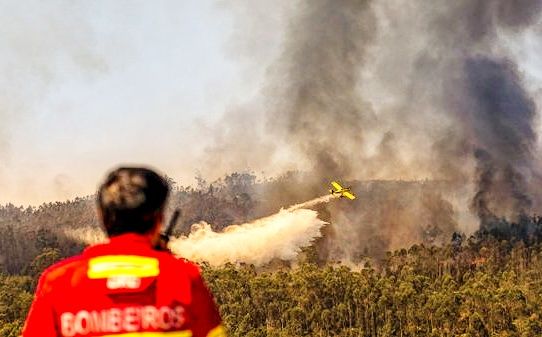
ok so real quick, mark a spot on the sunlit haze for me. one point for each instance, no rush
(87, 86)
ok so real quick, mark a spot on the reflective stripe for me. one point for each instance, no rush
(122, 265)
(186, 333)
(219, 331)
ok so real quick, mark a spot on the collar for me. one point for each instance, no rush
(129, 243)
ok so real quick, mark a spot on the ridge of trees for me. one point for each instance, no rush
(234, 199)
(484, 285)
(488, 284)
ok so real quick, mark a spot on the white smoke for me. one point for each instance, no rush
(280, 235)
(88, 236)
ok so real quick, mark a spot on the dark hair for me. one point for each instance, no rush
(130, 199)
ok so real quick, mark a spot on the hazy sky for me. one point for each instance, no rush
(88, 85)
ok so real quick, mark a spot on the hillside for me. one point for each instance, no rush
(480, 286)
(387, 215)
(440, 283)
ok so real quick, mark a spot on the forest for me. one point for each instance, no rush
(485, 284)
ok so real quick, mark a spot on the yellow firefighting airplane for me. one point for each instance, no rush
(341, 191)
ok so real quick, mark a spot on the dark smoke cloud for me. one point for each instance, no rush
(311, 110)
(501, 119)
(493, 113)
(406, 90)
(460, 25)
(320, 111)
(490, 140)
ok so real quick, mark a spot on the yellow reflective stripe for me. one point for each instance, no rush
(219, 331)
(186, 333)
(122, 265)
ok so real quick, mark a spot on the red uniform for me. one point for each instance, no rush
(123, 288)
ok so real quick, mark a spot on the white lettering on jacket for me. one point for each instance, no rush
(116, 320)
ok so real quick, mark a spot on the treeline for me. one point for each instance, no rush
(480, 286)
(486, 285)
(27, 232)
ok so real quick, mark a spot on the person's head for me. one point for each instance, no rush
(131, 200)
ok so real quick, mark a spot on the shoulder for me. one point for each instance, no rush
(190, 267)
(59, 270)
(181, 265)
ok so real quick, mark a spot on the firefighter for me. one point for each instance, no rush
(125, 287)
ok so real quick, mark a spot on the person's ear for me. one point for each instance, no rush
(159, 218)
(157, 227)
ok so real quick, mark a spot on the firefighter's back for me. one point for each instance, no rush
(125, 287)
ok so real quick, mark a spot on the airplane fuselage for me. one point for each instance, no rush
(341, 191)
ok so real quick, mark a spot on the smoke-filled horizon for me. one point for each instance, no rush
(356, 90)
(81, 89)
(365, 89)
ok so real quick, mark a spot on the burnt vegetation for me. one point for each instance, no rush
(485, 284)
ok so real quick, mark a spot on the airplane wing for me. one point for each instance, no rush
(336, 185)
(349, 195)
